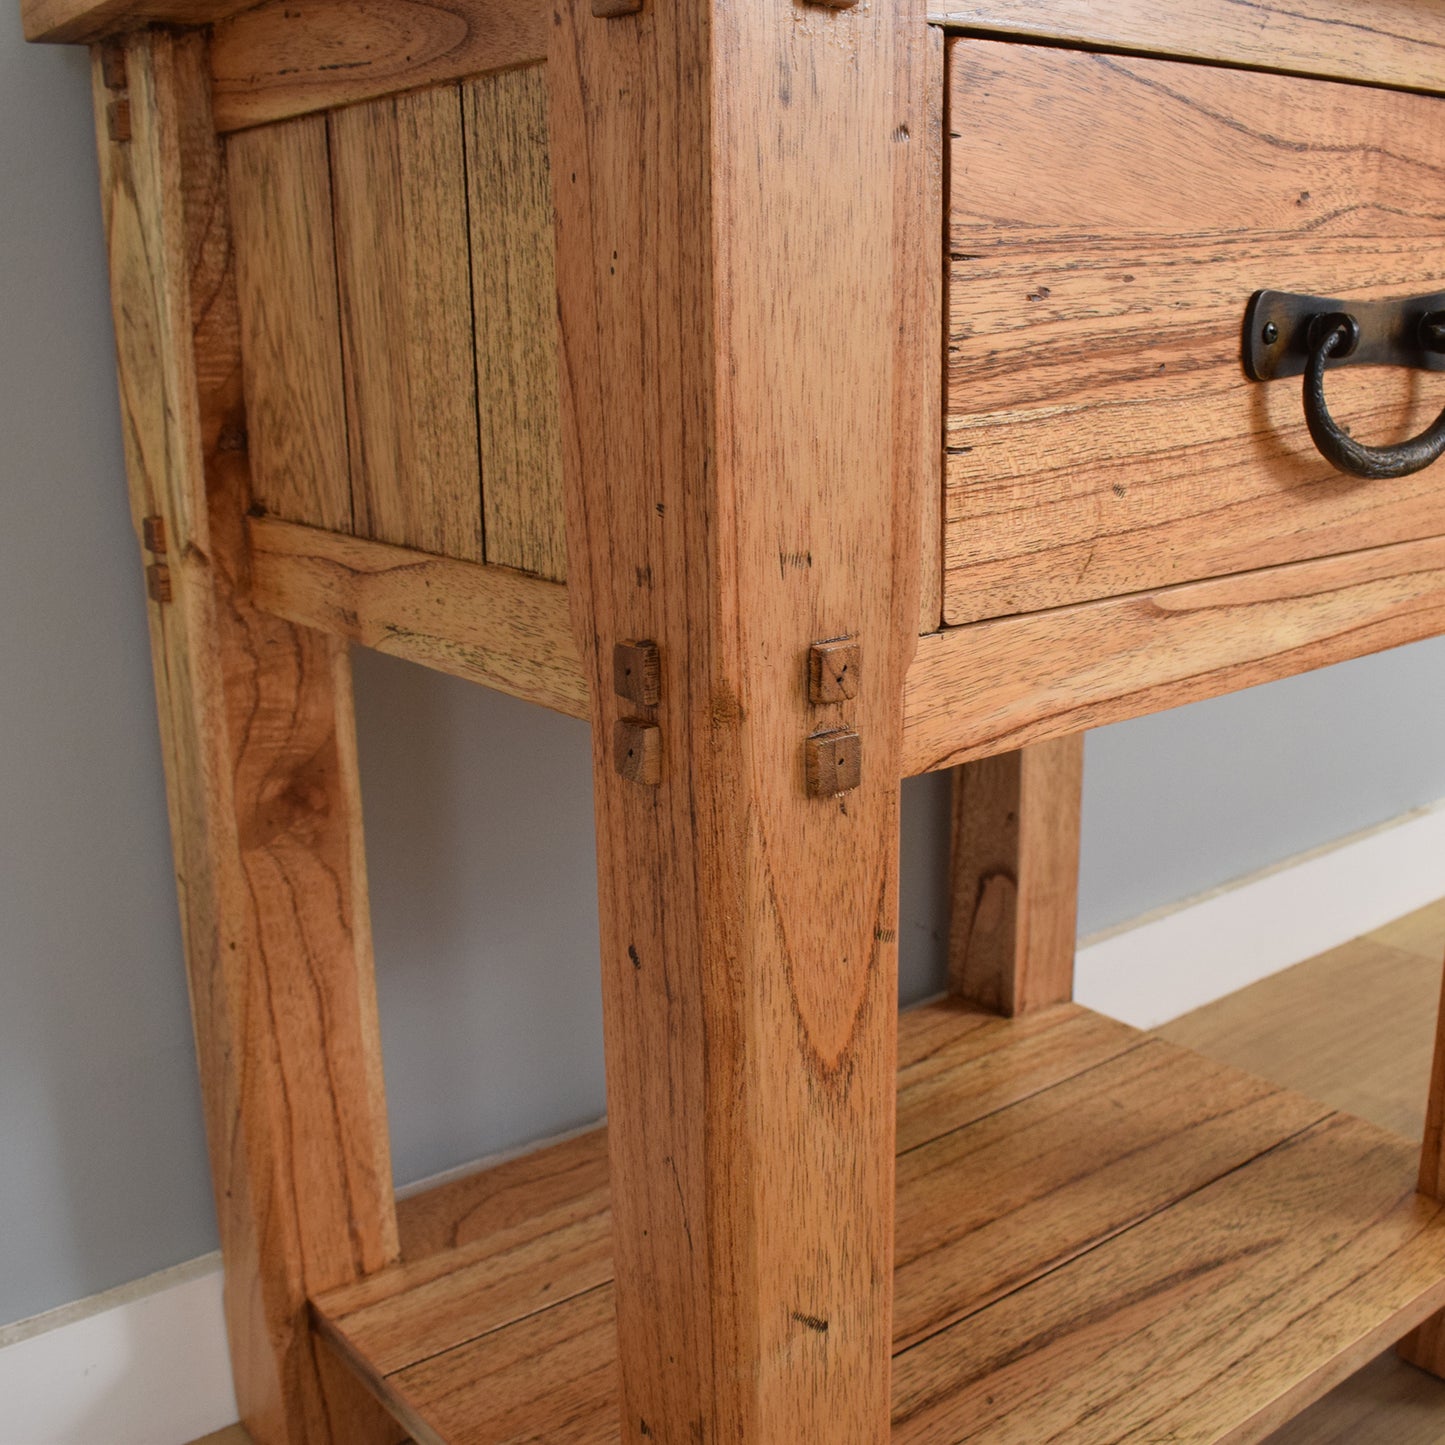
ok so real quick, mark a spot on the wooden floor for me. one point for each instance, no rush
(1352, 1028)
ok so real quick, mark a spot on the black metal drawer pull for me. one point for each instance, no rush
(1288, 335)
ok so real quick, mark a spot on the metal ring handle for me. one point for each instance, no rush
(1343, 452)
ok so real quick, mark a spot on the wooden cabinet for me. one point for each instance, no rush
(808, 395)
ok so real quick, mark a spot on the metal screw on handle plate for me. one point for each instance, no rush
(1292, 335)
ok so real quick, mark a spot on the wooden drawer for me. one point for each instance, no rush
(1109, 217)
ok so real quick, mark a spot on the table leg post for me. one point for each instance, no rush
(748, 283)
(1425, 1346)
(1015, 876)
(257, 736)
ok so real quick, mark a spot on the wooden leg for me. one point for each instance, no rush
(1015, 876)
(1425, 1346)
(747, 274)
(256, 727)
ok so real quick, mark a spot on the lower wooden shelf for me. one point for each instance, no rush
(1100, 1238)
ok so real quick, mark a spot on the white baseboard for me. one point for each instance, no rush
(1155, 968)
(146, 1364)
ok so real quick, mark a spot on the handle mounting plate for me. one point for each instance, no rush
(1277, 332)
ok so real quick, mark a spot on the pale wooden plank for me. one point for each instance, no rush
(1014, 876)
(487, 624)
(290, 57)
(259, 745)
(1214, 1320)
(1109, 218)
(1294, 1027)
(743, 479)
(1421, 932)
(514, 289)
(982, 689)
(280, 193)
(401, 239)
(1387, 42)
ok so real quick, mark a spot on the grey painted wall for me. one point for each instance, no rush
(478, 807)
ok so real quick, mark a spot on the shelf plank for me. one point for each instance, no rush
(1215, 1320)
(1067, 1189)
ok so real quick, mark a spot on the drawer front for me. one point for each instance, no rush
(1109, 218)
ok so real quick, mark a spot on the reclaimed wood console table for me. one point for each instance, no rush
(809, 395)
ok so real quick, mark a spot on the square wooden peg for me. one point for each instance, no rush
(117, 119)
(637, 672)
(637, 750)
(153, 534)
(158, 582)
(608, 9)
(112, 64)
(833, 670)
(834, 763)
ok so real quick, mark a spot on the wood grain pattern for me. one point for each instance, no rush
(488, 624)
(514, 286)
(1301, 1028)
(1214, 1320)
(259, 746)
(280, 194)
(744, 475)
(84, 21)
(1207, 1190)
(399, 183)
(992, 686)
(289, 57)
(1014, 877)
(1387, 42)
(1425, 1346)
(1109, 218)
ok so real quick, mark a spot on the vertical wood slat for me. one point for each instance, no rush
(280, 193)
(515, 290)
(743, 472)
(400, 202)
(1014, 876)
(258, 742)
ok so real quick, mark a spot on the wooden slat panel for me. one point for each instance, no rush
(957, 1064)
(289, 57)
(1136, 1159)
(1215, 1320)
(514, 285)
(1066, 1168)
(401, 233)
(1014, 876)
(259, 745)
(280, 187)
(1388, 42)
(491, 1250)
(998, 685)
(488, 624)
(1109, 220)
